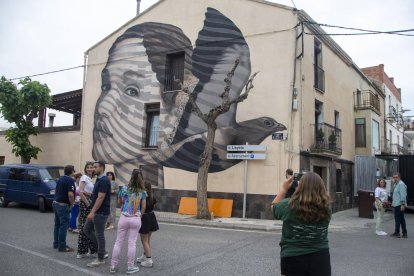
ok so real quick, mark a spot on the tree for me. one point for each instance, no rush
(20, 107)
(210, 119)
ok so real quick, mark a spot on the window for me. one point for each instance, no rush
(153, 124)
(319, 73)
(32, 175)
(360, 133)
(337, 126)
(174, 71)
(16, 174)
(375, 135)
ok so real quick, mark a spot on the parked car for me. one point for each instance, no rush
(29, 184)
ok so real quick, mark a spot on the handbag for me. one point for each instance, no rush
(386, 204)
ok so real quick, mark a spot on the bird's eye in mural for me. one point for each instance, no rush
(105, 87)
(268, 123)
(132, 91)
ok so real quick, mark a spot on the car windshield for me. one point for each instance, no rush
(51, 173)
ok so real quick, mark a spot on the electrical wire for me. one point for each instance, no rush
(362, 32)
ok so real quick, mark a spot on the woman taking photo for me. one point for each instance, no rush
(85, 245)
(381, 201)
(305, 216)
(133, 197)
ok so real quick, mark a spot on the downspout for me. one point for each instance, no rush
(293, 98)
(85, 68)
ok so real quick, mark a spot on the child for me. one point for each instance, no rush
(75, 209)
(306, 217)
(149, 225)
(133, 196)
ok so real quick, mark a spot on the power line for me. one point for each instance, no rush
(362, 32)
(50, 72)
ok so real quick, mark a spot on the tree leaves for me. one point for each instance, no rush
(20, 106)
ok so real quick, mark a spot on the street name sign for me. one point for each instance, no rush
(246, 156)
(246, 147)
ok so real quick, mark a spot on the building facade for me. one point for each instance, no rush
(135, 113)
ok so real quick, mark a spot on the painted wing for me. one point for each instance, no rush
(219, 44)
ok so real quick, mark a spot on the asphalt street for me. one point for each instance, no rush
(26, 249)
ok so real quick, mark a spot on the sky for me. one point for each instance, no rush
(39, 36)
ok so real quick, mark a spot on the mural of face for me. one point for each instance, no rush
(128, 82)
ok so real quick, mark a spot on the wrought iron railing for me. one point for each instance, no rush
(327, 139)
(366, 99)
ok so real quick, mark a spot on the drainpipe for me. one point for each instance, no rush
(138, 6)
(82, 118)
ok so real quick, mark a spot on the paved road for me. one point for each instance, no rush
(26, 249)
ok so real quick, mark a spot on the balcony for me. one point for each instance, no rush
(366, 99)
(319, 78)
(394, 149)
(328, 139)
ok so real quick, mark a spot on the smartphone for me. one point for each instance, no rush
(297, 176)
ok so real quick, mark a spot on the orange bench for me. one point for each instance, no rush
(220, 207)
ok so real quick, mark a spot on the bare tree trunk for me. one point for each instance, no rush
(205, 161)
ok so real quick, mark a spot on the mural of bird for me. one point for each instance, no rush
(128, 83)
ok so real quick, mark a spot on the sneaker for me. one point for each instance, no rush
(141, 259)
(67, 249)
(132, 270)
(106, 255)
(110, 227)
(405, 236)
(75, 231)
(81, 256)
(383, 233)
(95, 263)
(378, 233)
(395, 235)
(147, 263)
(93, 255)
(112, 270)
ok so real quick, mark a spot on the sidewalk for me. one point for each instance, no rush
(341, 221)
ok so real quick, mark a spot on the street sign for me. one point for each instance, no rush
(246, 156)
(277, 136)
(246, 148)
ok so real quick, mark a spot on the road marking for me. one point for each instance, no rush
(221, 229)
(72, 266)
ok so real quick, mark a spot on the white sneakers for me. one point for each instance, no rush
(96, 262)
(144, 261)
(381, 233)
(147, 263)
(141, 258)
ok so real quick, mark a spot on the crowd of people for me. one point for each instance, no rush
(85, 204)
(87, 207)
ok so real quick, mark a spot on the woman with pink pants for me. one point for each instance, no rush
(132, 197)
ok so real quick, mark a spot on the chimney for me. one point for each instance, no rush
(392, 80)
(138, 6)
(51, 118)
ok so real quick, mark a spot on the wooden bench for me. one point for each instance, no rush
(220, 207)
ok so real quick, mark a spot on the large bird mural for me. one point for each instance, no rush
(135, 75)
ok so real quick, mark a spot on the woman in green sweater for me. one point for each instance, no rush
(305, 216)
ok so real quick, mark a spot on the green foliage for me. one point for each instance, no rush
(20, 107)
(320, 135)
(332, 138)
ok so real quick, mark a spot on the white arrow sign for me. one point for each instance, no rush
(246, 148)
(246, 156)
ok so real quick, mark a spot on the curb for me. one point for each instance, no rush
(217, 223)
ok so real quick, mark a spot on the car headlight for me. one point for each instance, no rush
(52, 192)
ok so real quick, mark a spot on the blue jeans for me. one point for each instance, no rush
(95, 231)
(399, 220)
(61, 225)
(74, 216)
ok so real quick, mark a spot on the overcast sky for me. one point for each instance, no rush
(39, 36)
